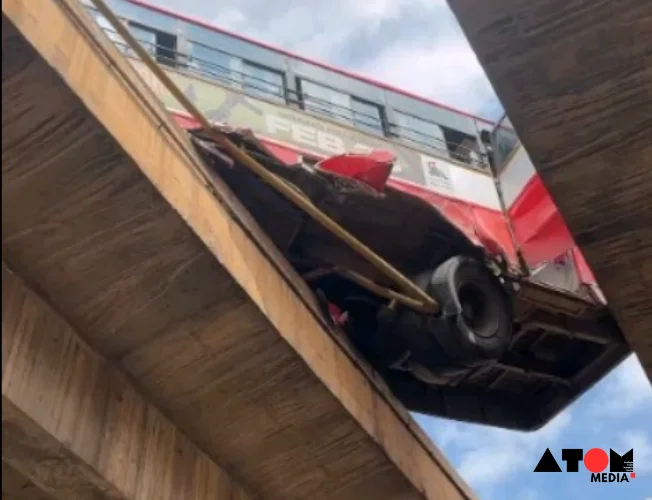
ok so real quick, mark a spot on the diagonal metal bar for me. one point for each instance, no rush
(422, 301)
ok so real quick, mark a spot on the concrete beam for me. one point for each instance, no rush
(104, 212)
(15, 486)
(75, 426)
(575, 78)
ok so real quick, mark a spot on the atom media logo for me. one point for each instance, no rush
(596, 460)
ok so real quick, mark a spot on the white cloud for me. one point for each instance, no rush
(528, 494)
(230, 17)
(312, 28)
(640, 442)
(445, 70)
(445, 432)
(411, 44)
(488, 465)
(627, 391)
(378, 9)
(488, 456)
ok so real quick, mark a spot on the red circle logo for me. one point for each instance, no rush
(596, 460)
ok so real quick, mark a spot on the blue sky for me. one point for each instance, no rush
(615, 413)
(412, 44)
(418, 45)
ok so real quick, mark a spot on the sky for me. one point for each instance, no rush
(615, 413)
(412, 44)
(418, 45)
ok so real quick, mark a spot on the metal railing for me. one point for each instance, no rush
(413, 296)
(458, 152)
(259, 87)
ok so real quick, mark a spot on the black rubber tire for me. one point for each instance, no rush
(476, 318)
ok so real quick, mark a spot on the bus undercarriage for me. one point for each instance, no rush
(502, 349)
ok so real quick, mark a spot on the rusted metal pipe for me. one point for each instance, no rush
(419, 300)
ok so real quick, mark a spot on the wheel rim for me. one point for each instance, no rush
(478, 310)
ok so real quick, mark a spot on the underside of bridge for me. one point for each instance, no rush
(154, 343)
(575, 77)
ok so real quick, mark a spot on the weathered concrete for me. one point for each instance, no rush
(575, 77)
(106, 216)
